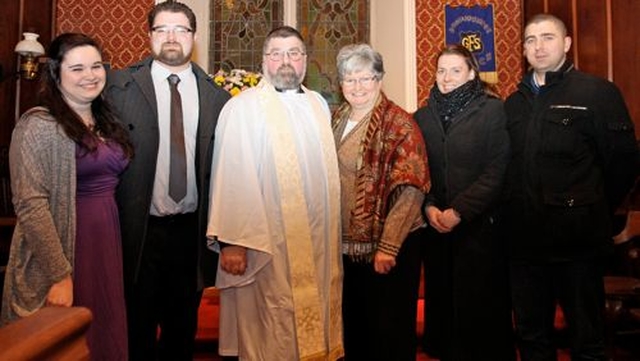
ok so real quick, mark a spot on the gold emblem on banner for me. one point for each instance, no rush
(472, 41)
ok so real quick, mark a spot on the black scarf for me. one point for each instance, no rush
(450, 104)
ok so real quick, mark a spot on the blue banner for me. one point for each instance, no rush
(473, 28)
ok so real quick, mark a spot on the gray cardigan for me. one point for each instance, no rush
(43, 180)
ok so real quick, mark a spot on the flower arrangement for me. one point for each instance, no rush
(236, 80)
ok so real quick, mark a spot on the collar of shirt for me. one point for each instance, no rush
(299, 90)
(159, 71)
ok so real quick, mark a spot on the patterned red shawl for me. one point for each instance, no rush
(392, 155)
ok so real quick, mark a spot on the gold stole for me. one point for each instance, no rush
(309, 315)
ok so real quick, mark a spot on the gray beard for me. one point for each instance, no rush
(286, 78)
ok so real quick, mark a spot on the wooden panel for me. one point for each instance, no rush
(561, 9)
(38, 18)
(9, 13)
(532, 7)
(52, 333)
(592, 37)
(626, 52)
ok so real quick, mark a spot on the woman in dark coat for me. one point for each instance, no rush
(467, 310)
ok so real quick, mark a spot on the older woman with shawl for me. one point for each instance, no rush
(384, 176)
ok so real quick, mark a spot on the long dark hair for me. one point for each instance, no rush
(471, 61)
(50, 97)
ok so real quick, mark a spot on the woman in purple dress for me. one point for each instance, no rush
(65, 158)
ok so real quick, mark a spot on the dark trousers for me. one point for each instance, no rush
(467, 306)
(578, 287)
(162, 306)
(379, 311)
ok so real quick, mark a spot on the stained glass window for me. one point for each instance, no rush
(327, 26)
(238, 29)
(237, 32)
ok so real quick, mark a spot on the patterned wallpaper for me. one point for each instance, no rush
(119, 26)
(430, 38)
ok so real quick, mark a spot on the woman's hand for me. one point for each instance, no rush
(443, 221)
(233, 260)
(434, 215)
(450, 218)
(61, 293)
(383, 263)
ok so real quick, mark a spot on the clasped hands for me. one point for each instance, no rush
(443, 221)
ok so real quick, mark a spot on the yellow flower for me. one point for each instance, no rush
(218, 79)
(236, 80)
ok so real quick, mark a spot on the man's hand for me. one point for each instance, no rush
(61, 293)
(233, 260)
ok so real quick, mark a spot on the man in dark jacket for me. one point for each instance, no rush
(163, 233)
(573, 160)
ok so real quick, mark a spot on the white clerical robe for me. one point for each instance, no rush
(275, 191)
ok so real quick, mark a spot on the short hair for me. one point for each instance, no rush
(172, 7)
(538, 18)
(356, 57)
(283, 32)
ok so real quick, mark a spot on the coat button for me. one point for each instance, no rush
(570, 202)
(565, 121)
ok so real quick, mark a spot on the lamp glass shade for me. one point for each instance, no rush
(29, 45)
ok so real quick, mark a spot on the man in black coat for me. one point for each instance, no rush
(166, 263)
(573, 160)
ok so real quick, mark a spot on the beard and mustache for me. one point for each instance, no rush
(286, 78)
(172, 54)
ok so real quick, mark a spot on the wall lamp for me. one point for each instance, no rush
(29, 49)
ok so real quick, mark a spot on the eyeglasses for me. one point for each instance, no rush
(365, 81)
(164, 30)
(277, 55)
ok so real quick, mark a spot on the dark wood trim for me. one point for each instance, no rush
(52, 333)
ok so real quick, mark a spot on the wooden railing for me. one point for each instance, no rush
(52, 333)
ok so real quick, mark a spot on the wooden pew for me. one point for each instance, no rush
(52, 333)
(631, 229)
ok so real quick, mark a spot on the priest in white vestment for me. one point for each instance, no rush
(275, 217)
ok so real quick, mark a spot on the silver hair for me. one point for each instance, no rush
(358, 57)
